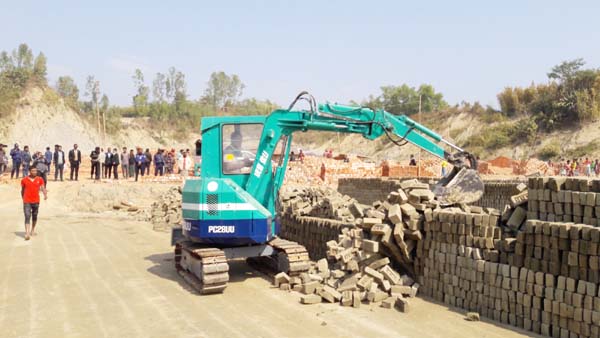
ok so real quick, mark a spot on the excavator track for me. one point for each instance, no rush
(205, 269)
(290, 257)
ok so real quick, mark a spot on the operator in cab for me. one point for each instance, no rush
(235, 161)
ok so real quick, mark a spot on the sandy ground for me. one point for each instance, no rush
(105, 275)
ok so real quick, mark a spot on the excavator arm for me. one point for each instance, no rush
(462, 185)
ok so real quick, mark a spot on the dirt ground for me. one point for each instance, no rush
(106, 275)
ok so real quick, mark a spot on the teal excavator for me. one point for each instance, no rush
(231, 211)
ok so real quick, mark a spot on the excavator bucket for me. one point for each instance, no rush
(461, 186)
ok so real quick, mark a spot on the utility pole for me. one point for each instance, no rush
(419, 158)
(96, 94)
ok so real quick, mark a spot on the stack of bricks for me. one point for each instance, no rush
(560, 199)
(545, 280)
(497, 193)
(312, 232)
(367, 190)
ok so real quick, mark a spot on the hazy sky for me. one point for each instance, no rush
(337, 50)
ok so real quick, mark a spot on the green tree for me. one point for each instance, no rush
(40, 69)
(67, 89)
(223, 90)
(140, 100)
(93, 91)
(566, 70)
(23, 57)
(405, 99)
(158, 87)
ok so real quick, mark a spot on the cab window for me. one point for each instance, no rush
(239, 146)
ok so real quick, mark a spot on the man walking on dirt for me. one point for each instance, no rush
(30, 192)
(74, 161)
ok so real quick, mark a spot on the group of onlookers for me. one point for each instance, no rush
(104, 163)
(139, 163)
(577, 167)
(22, 160)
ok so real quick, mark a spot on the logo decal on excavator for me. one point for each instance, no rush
(264, 156)
(221, 229)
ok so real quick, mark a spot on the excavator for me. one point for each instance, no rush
(230, 212)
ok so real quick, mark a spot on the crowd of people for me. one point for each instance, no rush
(576, 167)
(106, 164)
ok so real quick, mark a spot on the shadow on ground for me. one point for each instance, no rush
(164, 267)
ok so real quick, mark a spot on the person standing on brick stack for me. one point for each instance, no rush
(59, 163)
(587, 167)
(412, 162)
(74, 162)
(125, 163)
(30, 193)
(15, 155)
(444, 168)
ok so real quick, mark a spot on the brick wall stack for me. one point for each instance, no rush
(497, 193)
(367, 190)
(561, 199)
(545, 280)
(312, 232)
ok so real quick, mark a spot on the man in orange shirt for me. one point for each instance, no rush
(30, 192)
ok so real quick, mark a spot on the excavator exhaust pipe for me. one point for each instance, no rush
(462, 186)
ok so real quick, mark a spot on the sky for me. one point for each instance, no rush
(337, 50)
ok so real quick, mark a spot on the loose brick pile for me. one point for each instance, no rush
(166, 212)
(561, 199)
(354, 272)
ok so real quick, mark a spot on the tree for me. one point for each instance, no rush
(105, 104)
(93, 91)
(223, 90)
(67, 89)
(40, 69)
(23, 57)
(158, 88)
(405, 99)
(566, 70)
(140, 100)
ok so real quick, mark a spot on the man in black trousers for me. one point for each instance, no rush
(74, 161)
(115, 163)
